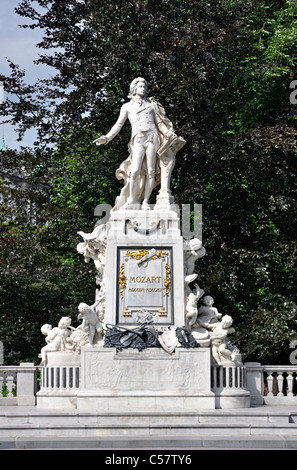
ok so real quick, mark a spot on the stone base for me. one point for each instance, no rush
(233, 399)
(107, 380)
(56, 401)
(155, 403)
(151, 380)
(165, 202)
(59, 381)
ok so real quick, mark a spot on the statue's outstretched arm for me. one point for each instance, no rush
(104, 139)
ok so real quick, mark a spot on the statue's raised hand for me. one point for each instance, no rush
(101, 140)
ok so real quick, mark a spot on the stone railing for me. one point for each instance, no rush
(271, 385)
(229, 384)
(18, 384)
(268, 385)
(225, 377)
(59, 378)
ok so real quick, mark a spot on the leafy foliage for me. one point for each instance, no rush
(222, 71)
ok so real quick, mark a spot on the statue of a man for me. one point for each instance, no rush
(151, 131)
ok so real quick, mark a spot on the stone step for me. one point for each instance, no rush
(250, 416)
(260, 427)
(52, 429)
(133, 445)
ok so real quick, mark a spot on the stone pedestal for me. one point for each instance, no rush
(26, 384)
(151, 380)
(136, 346)
(255, 382)
(144, 269)
(60, 381)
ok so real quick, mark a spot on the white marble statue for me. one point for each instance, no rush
(210, 330)
(94, 247)
(191, 305)
(193, 250)
(221, 348)
(56, 338)
(152, 148)
(90, 321)
(66, 338)
(207, 312)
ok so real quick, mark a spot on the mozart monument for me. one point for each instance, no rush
(150, 339)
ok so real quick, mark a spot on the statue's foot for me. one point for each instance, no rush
(126, 205)
(131, 205)
(145, 206)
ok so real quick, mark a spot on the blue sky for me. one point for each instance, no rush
(18, 44)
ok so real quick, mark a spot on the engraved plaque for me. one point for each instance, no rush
(144, 286)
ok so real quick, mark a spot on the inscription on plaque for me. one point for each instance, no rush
(144, 286)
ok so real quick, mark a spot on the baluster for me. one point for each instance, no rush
(280, 381)
(67, 378)
(241, 377)
(235, 377)
(42, 379)
(9, 384)
(290, 384)
(269, 384)
(54, 378)
(1, 385)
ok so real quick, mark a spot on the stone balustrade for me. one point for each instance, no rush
(229, 384)
(272, 385)
(281, 384)
(59, 378)
(8, 380)
(225, 377)
(18, 384)
(267, 384)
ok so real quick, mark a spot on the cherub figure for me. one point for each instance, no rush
(207, 313)
(218, 338)
(90, 322)
(55, 338)
(93, 247)
(193, 250)
(191, 306)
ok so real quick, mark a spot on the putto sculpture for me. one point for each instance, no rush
(152, 148)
